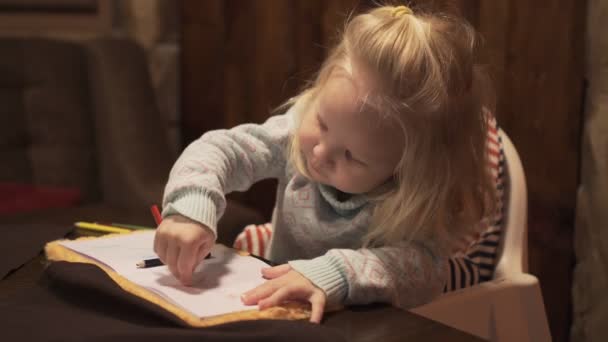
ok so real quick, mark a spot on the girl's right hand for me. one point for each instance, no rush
(181, 244)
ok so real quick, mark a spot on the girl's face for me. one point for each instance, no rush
(344, 147)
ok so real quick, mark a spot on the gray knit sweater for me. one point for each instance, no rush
(318, 235)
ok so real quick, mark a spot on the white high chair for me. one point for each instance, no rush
(510, 306)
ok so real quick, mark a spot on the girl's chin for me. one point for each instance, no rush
(315, 175)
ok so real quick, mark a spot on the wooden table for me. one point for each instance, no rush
(363, 323)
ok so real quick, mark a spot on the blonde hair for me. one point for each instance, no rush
(427, 78)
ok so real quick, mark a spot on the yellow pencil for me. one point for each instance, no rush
(101, 228)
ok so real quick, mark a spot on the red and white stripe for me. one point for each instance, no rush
(474, 261)
(254, 239)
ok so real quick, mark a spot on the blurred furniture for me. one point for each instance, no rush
(510, 307)
(82, 115)
(42, 16)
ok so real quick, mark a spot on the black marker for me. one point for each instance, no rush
(156, 262)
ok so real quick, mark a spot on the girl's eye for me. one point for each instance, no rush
(349, 158)
(321, 124)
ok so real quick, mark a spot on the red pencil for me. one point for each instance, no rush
(156, 214)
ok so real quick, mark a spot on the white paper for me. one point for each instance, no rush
(217, 283)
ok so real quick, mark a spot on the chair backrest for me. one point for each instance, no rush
(46, 122)
(513, 250)
(82, 114)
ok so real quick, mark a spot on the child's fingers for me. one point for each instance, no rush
(160, 247)
(254, 296)
(203, 250)
(185, 263)
(277, 271)
(276, 298)
(156, 244)
(172, 255)
(317, 301)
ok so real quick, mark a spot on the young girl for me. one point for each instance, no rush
(381, 166)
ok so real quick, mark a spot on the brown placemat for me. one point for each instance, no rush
(23, 242)
(79, 302)
(55, 251)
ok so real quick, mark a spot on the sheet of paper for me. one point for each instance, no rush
(217, 285)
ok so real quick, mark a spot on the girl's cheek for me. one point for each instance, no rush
(307, 138)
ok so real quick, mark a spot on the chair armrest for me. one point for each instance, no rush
(480, 309)
(513, 251)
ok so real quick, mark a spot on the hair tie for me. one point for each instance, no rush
(401, 10)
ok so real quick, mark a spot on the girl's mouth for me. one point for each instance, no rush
(312, 167)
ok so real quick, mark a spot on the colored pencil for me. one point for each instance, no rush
(101, 228)
(124, 225)
(156, 214)
(149, 263)
(156, 262)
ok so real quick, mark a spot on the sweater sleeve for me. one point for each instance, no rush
(405, 276)
(223, 161)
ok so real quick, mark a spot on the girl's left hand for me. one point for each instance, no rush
(286, 284)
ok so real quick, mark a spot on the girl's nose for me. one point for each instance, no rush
(319, 151)
(322, 153)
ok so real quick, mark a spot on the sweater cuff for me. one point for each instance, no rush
(195, 205)
(326, 272)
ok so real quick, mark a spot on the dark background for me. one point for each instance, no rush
(239, 59)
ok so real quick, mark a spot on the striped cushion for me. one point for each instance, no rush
(254, 239)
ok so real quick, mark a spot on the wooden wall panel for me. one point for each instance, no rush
(243, 58)
(203, 50)
(535, 50)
